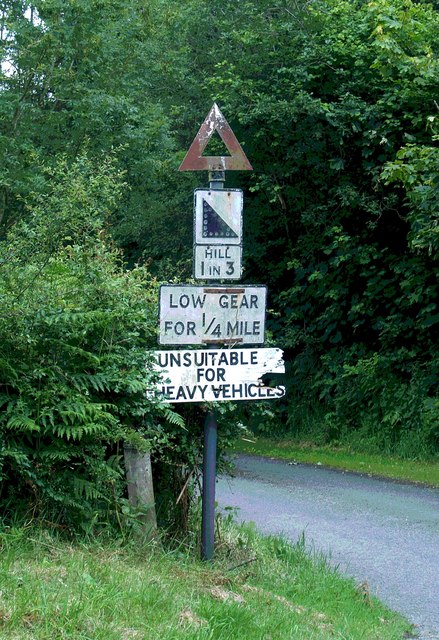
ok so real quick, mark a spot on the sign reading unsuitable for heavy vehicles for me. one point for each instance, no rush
(217, 374)
(218, 314)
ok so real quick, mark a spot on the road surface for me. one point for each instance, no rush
(382, 532)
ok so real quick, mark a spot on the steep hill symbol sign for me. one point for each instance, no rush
(214, 226)
(218, 216)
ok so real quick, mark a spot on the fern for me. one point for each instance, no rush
(50, 455)
(23, 423)
(7, 372)
(85, 381)
(173, 418)
(85, 489)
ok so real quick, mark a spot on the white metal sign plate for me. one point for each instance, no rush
(204, 375)
(218, 216)
(218, 314)
(217, 262)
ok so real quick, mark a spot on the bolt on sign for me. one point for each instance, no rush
(219, 314)
(218, 233)
(205, 375)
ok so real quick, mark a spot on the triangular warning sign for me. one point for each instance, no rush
(213, 225)
(195, 161)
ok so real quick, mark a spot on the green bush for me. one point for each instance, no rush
(369, 403)
(379, 410)
(74, 333)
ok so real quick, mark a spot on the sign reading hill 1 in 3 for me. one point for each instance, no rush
(218, 234)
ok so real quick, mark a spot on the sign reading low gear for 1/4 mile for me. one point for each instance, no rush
(218, 234)
(219, 314)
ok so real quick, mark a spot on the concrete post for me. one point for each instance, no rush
(140, 486)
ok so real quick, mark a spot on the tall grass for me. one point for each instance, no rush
(257, 589)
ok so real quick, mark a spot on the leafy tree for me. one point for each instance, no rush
(75, 76)
(416, 167)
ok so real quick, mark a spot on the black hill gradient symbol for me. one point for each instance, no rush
(213, 225)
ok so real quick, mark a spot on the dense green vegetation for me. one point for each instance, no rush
(336, 106)
(104, 591)
(73, 329)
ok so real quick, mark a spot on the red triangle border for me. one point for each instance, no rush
(195, 161)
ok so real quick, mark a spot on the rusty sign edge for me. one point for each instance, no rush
(195, 161)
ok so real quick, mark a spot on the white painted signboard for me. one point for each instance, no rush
(218, 216)
(217, 262)
(204, 375)
(219, 314)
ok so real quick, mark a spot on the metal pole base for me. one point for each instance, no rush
(209, 475)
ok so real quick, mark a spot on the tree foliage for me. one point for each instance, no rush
(75, 76)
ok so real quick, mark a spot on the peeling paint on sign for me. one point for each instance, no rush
(203, 375)
(219, 314)
(195, 161)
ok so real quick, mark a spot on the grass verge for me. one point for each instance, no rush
(340, 458)
(258, 589)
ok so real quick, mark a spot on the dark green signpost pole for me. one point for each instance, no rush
(216, 181)
(209, 476)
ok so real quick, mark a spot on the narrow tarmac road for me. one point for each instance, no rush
(381, 532)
